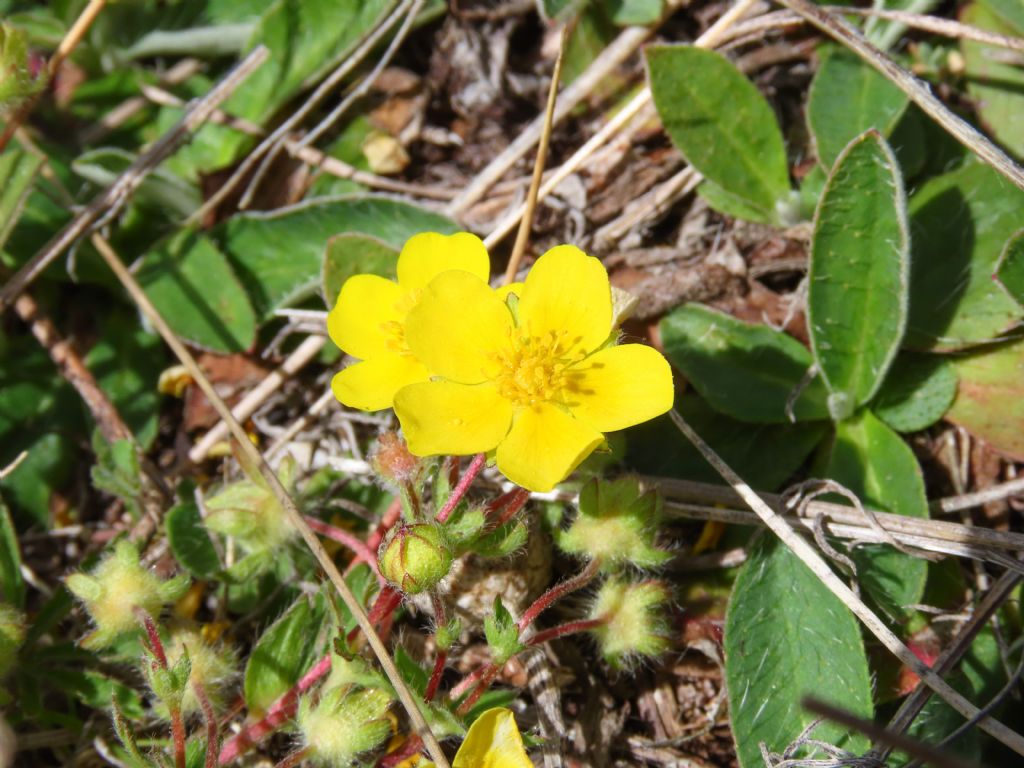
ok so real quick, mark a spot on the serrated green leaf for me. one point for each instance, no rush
(196, 291)
(990, 401)
(996, 85)
(917, 392)
(657, 448)
(279, 255)
(876, 464)
(1010, 267)
(846, 98)
(18, 170)
(190, 542)
(859, 272)
(723, 126)
(12, 585)
(352, 254)
(786, 637)
(745, 371)
(285, 652)
(960, 222)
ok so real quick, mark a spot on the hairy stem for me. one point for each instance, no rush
(570, 628)
(559, 591)
(343, 537)
(460, 490)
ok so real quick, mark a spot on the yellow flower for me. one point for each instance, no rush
(538, 385)
(368, 320)
(493, 741)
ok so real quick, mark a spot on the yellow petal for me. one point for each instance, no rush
(544, 445)
(620, 386)
(441, 417)
(371, 385)
(567, 293)
(428, 254)
(457, 326)
(493, 741)
(359, 322)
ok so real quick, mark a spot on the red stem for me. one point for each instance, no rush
(156, 645)
(435, 676)
(460, 490)
(178, 734)
(558, 591)
(468, 681)
(279, 713)
(292, 760)
(583, 625)
(354, 543)
(212, 741)
(508, 504)
(388, 599)
(481, 688)
(411, 746)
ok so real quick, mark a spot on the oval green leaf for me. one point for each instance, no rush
(746, 371)
(1010, 268)
(279, 255)
(786, 637)
(846, 98)
(859, 273)
(990, 401)
(353, 254)
(194, 288)
(722, 124)
(961, 222)
(880, 469)
(917, 392)
(190, 542)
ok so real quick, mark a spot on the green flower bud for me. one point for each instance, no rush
(414, 558)
(250, 512)
(343, 724)
(354, 670)
(616, 525)
(446, 635)
(117, 589)
(634, 620)
(211, 665)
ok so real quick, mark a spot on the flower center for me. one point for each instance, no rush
(395, 329)
(535, 369)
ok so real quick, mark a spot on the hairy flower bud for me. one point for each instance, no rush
(211, 665)
(392, 460)
(249, 511)
(415, 558)
(117, 589)
(634, 620)
(344, 723)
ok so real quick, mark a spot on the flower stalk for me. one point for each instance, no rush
(559, 591)
(463, 486)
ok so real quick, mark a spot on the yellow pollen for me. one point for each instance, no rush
(395, 329)
(535, 369)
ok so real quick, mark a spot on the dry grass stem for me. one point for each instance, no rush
(294, 515)
(810, 557)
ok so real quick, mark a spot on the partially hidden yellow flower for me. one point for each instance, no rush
(538, 385)
(493, 741)
(368, 320)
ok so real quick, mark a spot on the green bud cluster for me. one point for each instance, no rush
(502, 634)
(170, 683)
(117, 589)
(414, 558)
(212, 665)
(250, 512)
(344, 723)
(633, 620)
(17, 82)
(616, 525)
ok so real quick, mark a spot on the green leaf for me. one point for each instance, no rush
(126, 362)
(1010, 267)
(847, 97)
(196, 291)
(285, 652)
(960, 222)
(657, 448)
(353, 254)
(12, 585)
(857, 281)
(917, 392)
(1010, 11)
(637, 12)
(876, 464)
(416, 676)
(161, 189)
(746, 371)
(990, 401)
(279, 255)
(190, 542)
(786, 637)
(723, 126)
(997, 85)
(18, 170)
